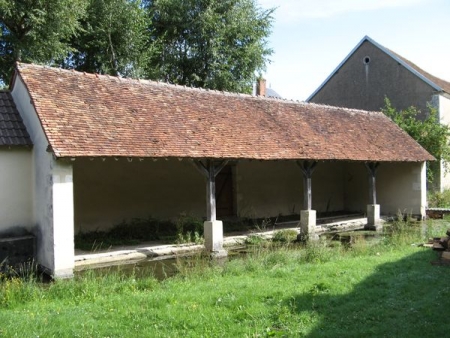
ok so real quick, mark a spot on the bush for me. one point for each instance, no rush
(439, 199)
(428, 132)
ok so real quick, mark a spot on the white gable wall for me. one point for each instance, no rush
(443, 105)
(52, 194)
(16, 211)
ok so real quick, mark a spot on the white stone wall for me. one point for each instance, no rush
(54, 252)
(16, 211)
(401, 187)
(63, 219)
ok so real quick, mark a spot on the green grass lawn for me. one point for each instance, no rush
(377, 289)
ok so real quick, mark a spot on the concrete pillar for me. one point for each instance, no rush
(213, 232)
(373, 217)
(423, 189)
(308, 224)
(63, 221)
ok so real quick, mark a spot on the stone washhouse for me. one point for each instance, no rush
(82, 152)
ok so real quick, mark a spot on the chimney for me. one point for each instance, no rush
(261, 87)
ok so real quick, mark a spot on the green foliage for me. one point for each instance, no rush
(439, 199)
(212, 44)
(189, 229)
(318, 252)
(113, 39)
(37, 31)
(255, 240)
(428, 132)
(215, 44)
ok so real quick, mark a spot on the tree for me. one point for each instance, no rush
(428, 132)
(36, 31)
(216, 44)
(113, 39)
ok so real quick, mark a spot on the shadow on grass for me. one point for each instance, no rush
(406, 298)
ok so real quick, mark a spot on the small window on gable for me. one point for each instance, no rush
(366, 60)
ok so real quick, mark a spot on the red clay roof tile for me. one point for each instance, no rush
(100, 116)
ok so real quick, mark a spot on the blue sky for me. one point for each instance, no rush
(311, 37)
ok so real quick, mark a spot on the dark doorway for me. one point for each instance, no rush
(224, 192)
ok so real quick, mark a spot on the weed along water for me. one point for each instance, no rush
(165, 266)
(168, 260)
(353, 237)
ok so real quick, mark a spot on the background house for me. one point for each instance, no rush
(107, 149)
(371, 72)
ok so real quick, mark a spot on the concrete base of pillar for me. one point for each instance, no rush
(307, 224)
(213, 232)
(373, 217)
(63, 274)
(218, 254)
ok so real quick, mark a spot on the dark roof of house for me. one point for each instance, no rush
(87, 115)
(272, 93)
(439, 84)
(12, 129)
(435, 82)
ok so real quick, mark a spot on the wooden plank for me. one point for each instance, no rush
(438, 247)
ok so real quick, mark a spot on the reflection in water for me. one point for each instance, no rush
(165, 266)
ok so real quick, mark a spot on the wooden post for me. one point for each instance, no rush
(210, 171)
(372, 168)
(307, 169)
(211, 192)
(213, 229)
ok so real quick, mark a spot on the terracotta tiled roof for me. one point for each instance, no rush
(12, 129)
(85, 115)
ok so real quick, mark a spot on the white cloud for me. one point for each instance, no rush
(292, 10)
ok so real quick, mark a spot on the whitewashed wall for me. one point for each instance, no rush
(16, 211)
(109, 192)
(54, 240)
(402, 186)
(271, 188)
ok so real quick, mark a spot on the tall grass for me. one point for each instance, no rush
(362, 288)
